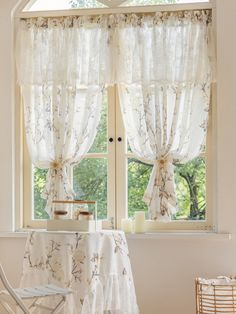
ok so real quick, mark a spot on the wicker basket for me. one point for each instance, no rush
(216, 296)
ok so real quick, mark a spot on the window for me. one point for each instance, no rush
(111, 174)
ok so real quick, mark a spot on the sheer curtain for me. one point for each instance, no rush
(164, 79)
(161, 63)
(63, 64)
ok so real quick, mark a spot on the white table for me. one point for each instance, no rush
(95, 266)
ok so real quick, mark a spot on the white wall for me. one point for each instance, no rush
(6, 114)
(164, 269)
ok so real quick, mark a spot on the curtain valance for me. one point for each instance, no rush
(86, 51)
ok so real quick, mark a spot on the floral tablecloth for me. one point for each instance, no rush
(95, 266)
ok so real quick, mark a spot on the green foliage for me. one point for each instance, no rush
(39, 176)
(191, 189)
(138, 176)
(90, 182)
(85, 4)
(90, 176)
(100, 141)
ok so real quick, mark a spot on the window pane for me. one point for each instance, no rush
(147, 2)
(86, 4)
(44, 5)
(100, 142)
(138, 176)
(191, 190)
(190, 182)
(39, 178)
(191, 1)
(90, 183)
(155, 2)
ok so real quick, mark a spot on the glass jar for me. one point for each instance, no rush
(60, 214)
(77, 208)
(85, 215)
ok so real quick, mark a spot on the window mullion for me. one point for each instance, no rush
(111, 183)
(121, 167)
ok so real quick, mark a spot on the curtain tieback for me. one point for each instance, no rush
(164, 160)
(159, 195)
(161, 165)
(56, 164)
(161, 161)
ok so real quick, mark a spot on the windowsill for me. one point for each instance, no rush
(14, 234)
(187, 235)
(210, 235)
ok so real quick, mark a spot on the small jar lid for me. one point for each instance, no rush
(85, 213)
(60, 212)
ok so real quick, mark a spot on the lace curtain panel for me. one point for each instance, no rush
(165, 75)
(162, 65)
(61, 71)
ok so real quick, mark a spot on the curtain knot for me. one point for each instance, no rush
(56, 164)
(163, 161)
(160, 192)
(163, 168)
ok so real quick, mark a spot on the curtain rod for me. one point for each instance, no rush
(117, 10)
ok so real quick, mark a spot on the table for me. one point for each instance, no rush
(95, 266)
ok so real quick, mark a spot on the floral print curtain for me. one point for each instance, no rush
(62, 72)
(162, 65)
(164, 88)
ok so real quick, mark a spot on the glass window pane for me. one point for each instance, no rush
(191, 1)
(86, 4)
(147, 2)
(44, 5)
(155, 2)
(138, 176)
(191, 190)
(190, 182)
(39, 178)
(100, 141)
(90, 183)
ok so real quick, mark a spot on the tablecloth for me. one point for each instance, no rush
(96, 266)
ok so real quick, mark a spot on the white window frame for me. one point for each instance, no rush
(119, 160)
